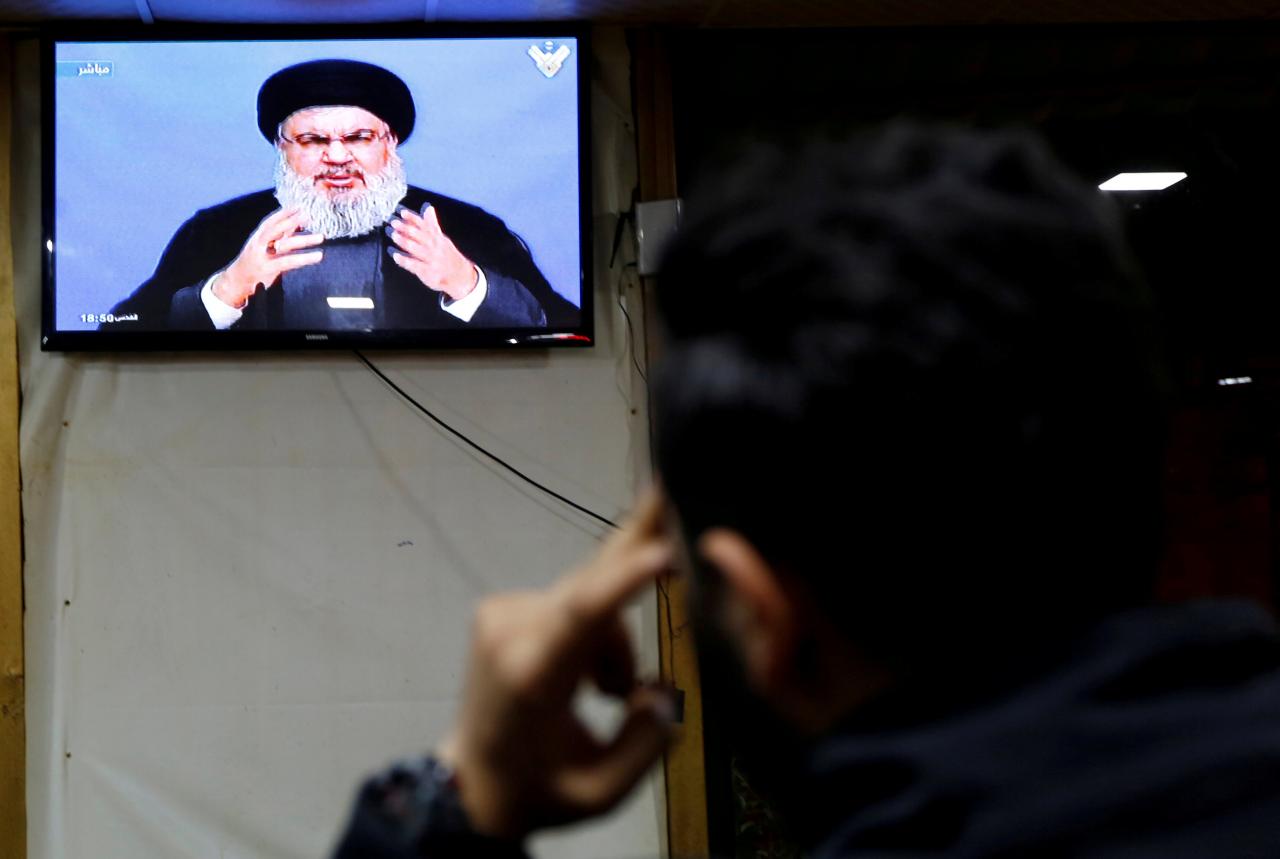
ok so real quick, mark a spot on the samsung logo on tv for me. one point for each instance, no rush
(316, 336)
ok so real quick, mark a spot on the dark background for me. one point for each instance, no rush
(1200, 99)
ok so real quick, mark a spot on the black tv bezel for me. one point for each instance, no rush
(581, 335)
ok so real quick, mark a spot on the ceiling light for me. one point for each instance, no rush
(1141, 181)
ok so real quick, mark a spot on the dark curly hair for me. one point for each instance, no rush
(918, 370)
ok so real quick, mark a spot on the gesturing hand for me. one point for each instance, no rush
(267, 254)
(522, 757)
(423, 249)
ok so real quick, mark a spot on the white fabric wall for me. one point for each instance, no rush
(249, 577)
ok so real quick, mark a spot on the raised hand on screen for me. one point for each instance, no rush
(422, 248)
(271, 250)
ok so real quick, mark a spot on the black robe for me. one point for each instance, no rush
(519, 295)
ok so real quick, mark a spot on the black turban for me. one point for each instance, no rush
(335, 82)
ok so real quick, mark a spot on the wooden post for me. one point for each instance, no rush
(13, 769)
(685, 768)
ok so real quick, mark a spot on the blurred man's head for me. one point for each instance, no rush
(909, 409)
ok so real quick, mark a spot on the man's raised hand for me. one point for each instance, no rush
(523, 758)
(270, 251)
(423, 249)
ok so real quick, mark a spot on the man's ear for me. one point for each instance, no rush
(756, 613)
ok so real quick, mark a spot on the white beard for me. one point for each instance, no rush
(348, 213)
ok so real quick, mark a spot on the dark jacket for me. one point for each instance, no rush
(518, 295)
(1156, 735)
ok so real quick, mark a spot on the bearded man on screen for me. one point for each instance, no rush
(343, 241)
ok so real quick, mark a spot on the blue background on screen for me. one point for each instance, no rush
(173, 129)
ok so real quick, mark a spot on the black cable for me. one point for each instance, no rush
(665, 607)
(631, 339)
(662, 591)
(500, 461)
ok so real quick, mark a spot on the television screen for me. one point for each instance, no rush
(410, 192)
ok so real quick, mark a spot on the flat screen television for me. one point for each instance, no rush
(261, 191)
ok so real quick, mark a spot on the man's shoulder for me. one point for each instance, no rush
(415, 198)
(253, 206)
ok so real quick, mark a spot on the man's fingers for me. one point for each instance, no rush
(292, 261)
(428, 221)
(636, 553)
(642, 525)
(408, 221)
(297, 241)
(414, 266)
(604, 586)
(601, 784)
(431, 221)
(409, 243)
(645, 519)
(407, 262)
(419, 219)
(286, 229)
(424, 232)
(277, 216)
(274, 225)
